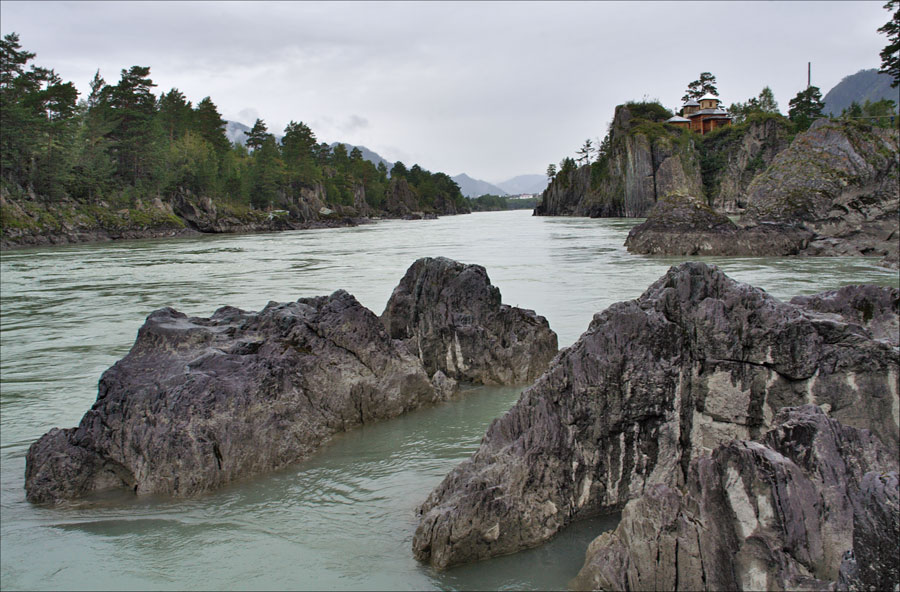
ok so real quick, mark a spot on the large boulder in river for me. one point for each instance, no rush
(200, 402)
(450, 314)
(684, 225)
(697, 360)
(813, 505)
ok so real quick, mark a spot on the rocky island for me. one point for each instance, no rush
(654, 387)
(201, 402)
(833, 191)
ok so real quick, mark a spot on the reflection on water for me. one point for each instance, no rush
(343, 519)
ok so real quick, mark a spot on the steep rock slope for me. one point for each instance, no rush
(732, 156)
(646, 160)
(698, 359)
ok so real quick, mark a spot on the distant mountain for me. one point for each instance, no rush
(475, 187)
(865, 85)
(367, 154)
(524, 184)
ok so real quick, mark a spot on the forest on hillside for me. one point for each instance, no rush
(122, 145)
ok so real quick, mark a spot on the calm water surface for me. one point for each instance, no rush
(345, 518)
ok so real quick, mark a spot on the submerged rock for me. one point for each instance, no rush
(200, 402)
(451, 316)
(814, 503)
(697, 360)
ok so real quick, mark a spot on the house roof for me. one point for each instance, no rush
(710, 97)
(691, 103)
(678, 119)
(715, 111)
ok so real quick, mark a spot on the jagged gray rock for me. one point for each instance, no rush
(697, 360)
(812, 504)
(451, 316)
(200, 402)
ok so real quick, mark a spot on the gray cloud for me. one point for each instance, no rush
(490, 89)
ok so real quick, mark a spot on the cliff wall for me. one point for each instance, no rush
(645, 161)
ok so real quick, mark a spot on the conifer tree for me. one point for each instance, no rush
(705, 84)
(890, 55)
(805, 107)
(257, 135)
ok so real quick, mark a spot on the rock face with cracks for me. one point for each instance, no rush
(200, 402)
(812, 506)
(697, 360)
(451, 316)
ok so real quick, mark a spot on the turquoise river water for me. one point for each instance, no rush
(343, 519)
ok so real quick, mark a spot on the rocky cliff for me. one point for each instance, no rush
(834, 191)
(200, 402)
(645, 160)
(839, 180)
(733, 156)
(812, 506)
(654, 383)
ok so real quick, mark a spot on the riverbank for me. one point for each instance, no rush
(29, 223)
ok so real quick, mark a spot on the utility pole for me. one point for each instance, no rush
(808, 74)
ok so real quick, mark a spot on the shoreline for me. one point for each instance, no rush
(100, 236)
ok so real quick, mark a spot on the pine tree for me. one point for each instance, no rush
(805, 107)
(890, 55)
(134, 107)
(585, 152)
(766, 101)
(209, 124)
(174, 114)
(257, 135)
(706, 84)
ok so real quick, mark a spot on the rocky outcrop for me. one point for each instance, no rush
(200, 402)
(654, 383)
(840, 181)
(646, 161)
(400, 201)
(684, 225)
(736, 155)
(813, 505)
(451, 316)
(834, 192)
(875, 308)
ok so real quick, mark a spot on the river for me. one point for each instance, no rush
(343, 519)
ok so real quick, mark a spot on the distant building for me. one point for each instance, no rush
(703, 116)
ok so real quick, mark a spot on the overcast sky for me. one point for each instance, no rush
(490, 89)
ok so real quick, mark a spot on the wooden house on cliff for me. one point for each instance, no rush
(702, 116)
